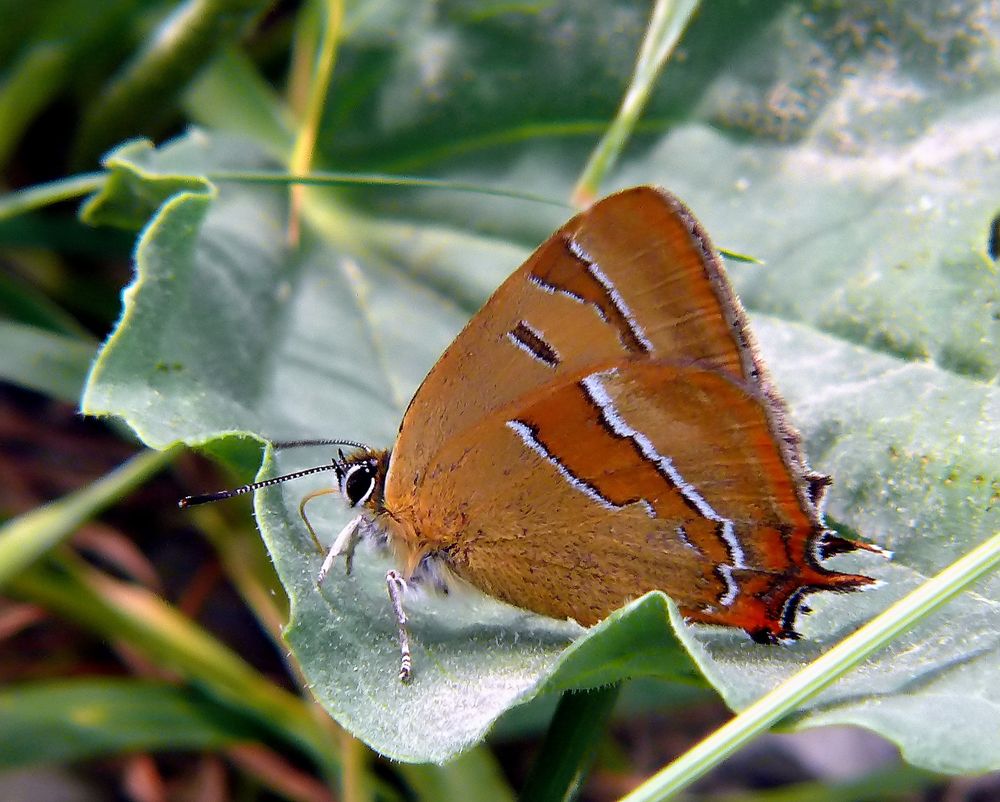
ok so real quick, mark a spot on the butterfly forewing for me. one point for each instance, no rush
(633, 275)
(658, 258)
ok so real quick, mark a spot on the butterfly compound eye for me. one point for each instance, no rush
(358, 483)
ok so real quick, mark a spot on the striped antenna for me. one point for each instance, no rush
(300, 443)
(205, 498)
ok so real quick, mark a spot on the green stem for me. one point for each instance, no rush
(325, 178)
(772, 707)
(669, 19)
(354, 755)
(31, 198)
(27, 537)
(305, 142)
(570, 744)
(37, 77)
(138, 618)
(318, 86)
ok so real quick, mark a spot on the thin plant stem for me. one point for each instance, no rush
(29, 199)
(326, 178)
(27, 537)
(570, 744)
(354, 756)
(667, 23)
(305, 143)
(820, 673)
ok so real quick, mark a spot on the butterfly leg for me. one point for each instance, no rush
(345, 541)
(326, 491)
(397, 586)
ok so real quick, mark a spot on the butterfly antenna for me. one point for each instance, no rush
(300, 443)
(205, 498)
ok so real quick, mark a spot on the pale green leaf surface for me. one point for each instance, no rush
(852, 147)
(872, 218)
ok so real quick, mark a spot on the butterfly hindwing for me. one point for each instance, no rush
(522, 509)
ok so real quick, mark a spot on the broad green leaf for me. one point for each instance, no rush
(294, 346)
(455, 77)
(326, 341)
(880, 327)
(127, 199)
(57, 721)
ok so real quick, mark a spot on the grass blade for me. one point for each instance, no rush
(772, 707)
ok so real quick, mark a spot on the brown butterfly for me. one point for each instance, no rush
(601, 428)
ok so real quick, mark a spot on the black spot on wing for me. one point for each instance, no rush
(533, 343)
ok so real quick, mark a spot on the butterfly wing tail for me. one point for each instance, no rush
(768, 604)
